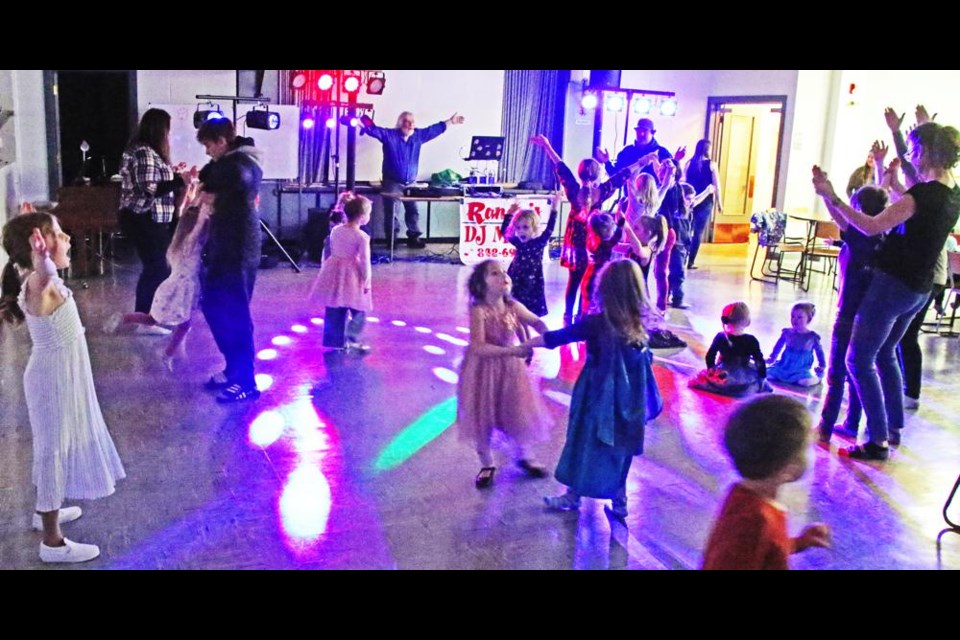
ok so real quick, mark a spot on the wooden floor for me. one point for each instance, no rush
(349, 462)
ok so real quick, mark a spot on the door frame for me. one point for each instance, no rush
(715, 102)
(51, 104)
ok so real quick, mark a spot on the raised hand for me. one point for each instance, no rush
(922, 116)
(680, 154)
(601, 155)
(815, 535)
(540, 140)
(38, 244)
(879, 151)
(27, 207)
(821, 183)
(893, 120)
(456, 118)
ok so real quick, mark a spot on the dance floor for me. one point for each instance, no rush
(351, 462)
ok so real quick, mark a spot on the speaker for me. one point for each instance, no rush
(315, 232)
(605, 79)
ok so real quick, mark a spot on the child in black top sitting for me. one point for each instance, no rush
(741, 369)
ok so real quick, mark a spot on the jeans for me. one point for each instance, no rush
(411, 214)
(883, 318)
(701, 216)
(151, 240)
(342, 325)
(678, 265)
(660, 268)
(854, 284)
(226, 306)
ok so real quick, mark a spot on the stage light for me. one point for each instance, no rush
(202, 115)
(350, 121)
(308, 122)
(642, 105)
(376, 81)
(613, 102)
(298, 80)
(350, 82)
(668, 107)
(331, 123)
(262, 119)
(589, 101)
(325, 80)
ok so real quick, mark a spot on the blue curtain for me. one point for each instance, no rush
(314, 142)
(533, 102)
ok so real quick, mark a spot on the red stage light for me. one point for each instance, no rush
(325, 81)
(298, 80)
(351, 82)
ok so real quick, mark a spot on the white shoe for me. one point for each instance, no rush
(67, 514)
(152, 330)
(113, 323)
(911, 404)
(70, 552)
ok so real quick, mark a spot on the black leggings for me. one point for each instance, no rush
(151, 240)
(909, 353)
(573, 288)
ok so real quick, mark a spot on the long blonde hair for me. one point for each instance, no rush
(644, 196)
(189, 219)
(623, 300)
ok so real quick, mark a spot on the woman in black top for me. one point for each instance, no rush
(918, 225)
(702, 174)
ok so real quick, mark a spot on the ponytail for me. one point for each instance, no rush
(10, 310)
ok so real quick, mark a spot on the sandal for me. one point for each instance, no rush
(532, 469)
(485, 477)
(866, 451)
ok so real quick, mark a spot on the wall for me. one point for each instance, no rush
(859, 115)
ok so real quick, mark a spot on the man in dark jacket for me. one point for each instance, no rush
(232, 254)
(644, 144)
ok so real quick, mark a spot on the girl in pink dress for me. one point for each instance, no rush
(495, 391)
(343, 284)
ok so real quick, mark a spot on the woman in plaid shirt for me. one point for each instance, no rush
(148, 201)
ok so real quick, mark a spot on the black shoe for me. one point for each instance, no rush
(485, 477)
(679, 305)
(216, 382)
(532, 469)
(867, 451)
(663, 339)
(416, 243)
(237, 393)
(692, 268)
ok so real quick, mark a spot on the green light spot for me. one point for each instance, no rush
(419, 434)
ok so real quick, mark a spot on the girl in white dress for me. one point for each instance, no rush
(178, 295)
(73, 453)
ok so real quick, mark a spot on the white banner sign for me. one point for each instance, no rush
(480, 221)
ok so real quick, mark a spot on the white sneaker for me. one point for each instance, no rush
(67, 514)
(152, 330)
(113, 323)
(70, 552)
(911, 404)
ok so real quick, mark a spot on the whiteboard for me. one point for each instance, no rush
(280, 148)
